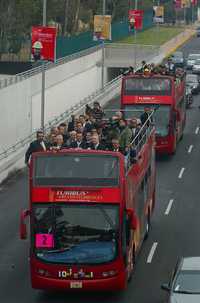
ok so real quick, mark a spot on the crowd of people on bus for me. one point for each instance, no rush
(91, 131)
(167, 68)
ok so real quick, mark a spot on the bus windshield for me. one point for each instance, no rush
(147, 87)
(75, 234)
(161, 116)
(76, 170)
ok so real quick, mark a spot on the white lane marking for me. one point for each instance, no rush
(169, 207)
(197, 130)
(181, 173)
(190, 149)
(152, 251)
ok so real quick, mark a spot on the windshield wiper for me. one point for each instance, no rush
(60, 250)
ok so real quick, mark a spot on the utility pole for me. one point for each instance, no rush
(135, 37)
(44, 23)
(103, 49)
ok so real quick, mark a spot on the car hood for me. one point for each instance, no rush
(185, 298)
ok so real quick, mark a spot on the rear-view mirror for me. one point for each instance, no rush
(166, 287)
(23, 229)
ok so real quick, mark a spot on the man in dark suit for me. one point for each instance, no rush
(133, 125)
(95, 144)
(36, 146)
(79, 143)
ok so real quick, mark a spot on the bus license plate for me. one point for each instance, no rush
(76, 284)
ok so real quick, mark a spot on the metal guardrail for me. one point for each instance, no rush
(36, 70)
(96, 96)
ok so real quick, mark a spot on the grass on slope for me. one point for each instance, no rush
(153, 36)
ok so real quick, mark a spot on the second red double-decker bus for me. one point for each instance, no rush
(89, 213)
(167, 94)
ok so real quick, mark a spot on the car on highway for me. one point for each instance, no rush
(184, 284)
(189, 97)
(191, 60)
(178, 59)
(192, 81)
(198, 31)
(196, 67)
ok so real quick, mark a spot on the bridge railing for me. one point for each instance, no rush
(103, 95)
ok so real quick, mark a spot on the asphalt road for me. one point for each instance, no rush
(176, 233)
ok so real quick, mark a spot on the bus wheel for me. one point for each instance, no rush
(148, 225)
(174, 147)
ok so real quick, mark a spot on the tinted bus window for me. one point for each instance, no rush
(147, 86)
(76, 170)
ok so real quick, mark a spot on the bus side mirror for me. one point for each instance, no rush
(23, 230)
(166, 287)
(132, 218)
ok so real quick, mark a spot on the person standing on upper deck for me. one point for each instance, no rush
(125, 136)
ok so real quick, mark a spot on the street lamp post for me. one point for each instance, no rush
(135, 38)
(103, 49)
(44, 22)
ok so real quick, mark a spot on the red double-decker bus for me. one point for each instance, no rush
(89, 213)
(167, 93)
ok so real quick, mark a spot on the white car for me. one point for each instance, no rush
(191, 60)
(196, 67)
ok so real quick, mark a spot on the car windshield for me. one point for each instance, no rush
(193, 56)
(74, 233)
(76, 170)
(147, 87)
(197, 61)
(187, 281)
(178, 55)
(161, 116)
(191, 78)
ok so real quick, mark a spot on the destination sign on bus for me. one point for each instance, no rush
(77, 196)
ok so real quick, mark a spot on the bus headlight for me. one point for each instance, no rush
(109, 273)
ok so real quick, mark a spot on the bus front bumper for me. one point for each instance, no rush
(115, 283)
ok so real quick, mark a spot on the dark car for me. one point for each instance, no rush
(198, 31)
(178, 59)
(184, 284)
(189, 97)
(192, 81)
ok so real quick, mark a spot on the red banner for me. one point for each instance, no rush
(178, 4)
(194, 2)
(135, 19)
(43, 43)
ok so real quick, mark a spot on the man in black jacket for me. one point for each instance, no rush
(36, 146)
(95, 144)
(79, 143)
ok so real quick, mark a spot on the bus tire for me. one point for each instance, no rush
(174, 147)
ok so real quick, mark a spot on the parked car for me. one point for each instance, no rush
(191, 60)
(189, 96)
(192, 81)
(178, 59)
(198, 31)
(184, 284)
(196, 67)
